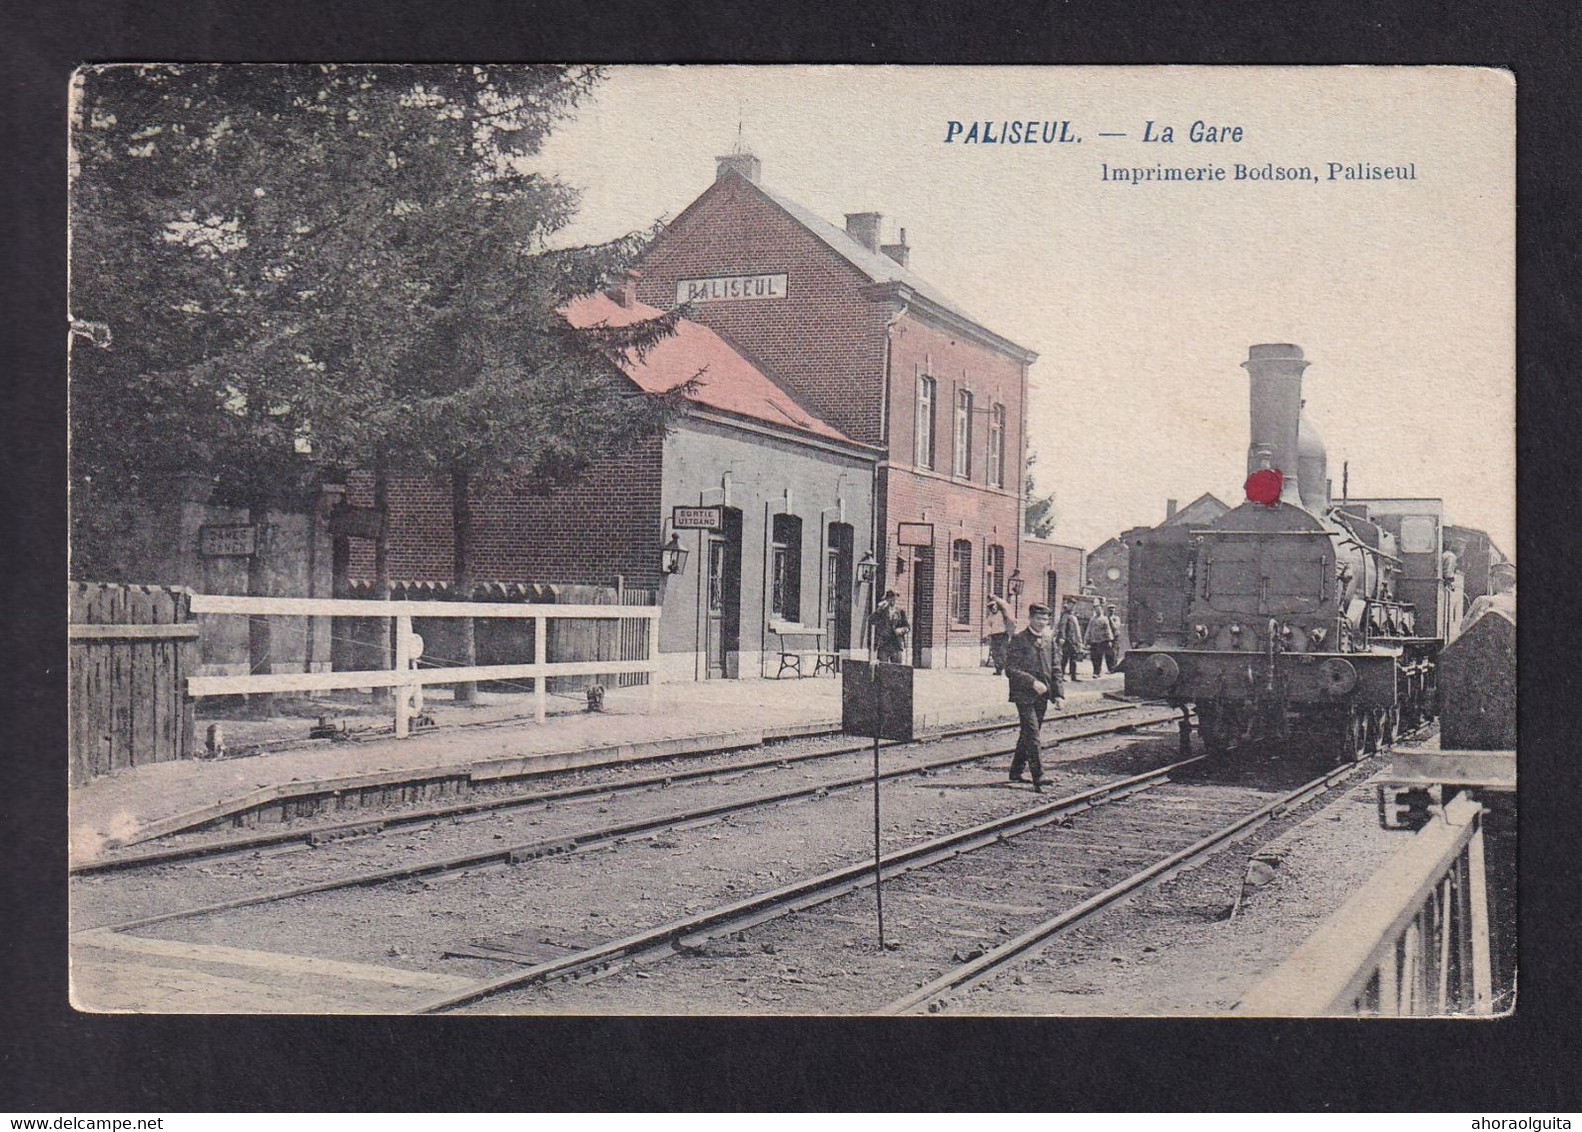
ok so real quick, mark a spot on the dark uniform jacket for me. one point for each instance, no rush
(1069, 631)
(1027, 659)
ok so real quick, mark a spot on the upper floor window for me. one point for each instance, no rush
(997, 446)
(964, 434)
(923, 442)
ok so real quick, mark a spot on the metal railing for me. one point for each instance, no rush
(404, 674)
(1413, 941)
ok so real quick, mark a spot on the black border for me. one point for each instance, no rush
(57, 1061)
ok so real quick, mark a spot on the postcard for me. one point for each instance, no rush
(792, 540)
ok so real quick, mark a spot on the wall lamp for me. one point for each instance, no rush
(1015, 584)
(867, 567)
(900, 564)
(672, 558)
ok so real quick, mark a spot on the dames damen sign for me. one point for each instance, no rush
(730, 288)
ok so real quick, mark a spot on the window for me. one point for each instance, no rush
(961, 598)
(923, 453)
(1051, 590)
(1418, 534)
(997, 446)
(994, 570)
(964, 434)
(785, 569)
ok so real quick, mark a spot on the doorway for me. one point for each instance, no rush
(838, 585)
(723, 598)
(922, 605)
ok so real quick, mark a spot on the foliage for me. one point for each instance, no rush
(290, 267)
(1041, 514)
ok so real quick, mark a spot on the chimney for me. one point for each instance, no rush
(898, 252)
(623, 291)
(1170, 509)
(1276, 402)
(742, 164)
(864, 228)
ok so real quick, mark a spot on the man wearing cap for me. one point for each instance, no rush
(889, 627)
(1068, 639)
(1035, 680)
(1100, 635)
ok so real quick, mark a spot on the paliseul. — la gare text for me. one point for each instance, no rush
(1061, 131)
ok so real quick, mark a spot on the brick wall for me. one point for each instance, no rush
(917, 348)
(981, 517)
(605, 523)
(1040, 557)
(824, 340)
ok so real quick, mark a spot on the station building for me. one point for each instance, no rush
(794, 499)
(884, 357)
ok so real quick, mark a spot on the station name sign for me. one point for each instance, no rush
(915, 534)
(697, 518)
(730, 289)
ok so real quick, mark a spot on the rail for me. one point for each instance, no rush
(404, 673)
(1413, 941)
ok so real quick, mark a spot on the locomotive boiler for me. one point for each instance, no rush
(1292, 611)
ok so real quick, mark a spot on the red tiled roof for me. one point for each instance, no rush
(725, 380)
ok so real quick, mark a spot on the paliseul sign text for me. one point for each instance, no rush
(730, 288)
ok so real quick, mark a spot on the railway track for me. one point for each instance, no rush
(917, 879)
(938, 994)
(588, 838)
(370, 825)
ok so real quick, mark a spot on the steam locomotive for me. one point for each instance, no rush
(1294, 611)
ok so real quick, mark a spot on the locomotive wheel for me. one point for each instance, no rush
(1375, 721)
(1211, 728)
(1359, 734)
(1392, 725)
(1349, 740)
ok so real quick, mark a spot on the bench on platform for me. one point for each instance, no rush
(791, 653)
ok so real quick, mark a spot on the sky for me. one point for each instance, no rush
(1141, 299)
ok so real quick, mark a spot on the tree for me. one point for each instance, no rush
(298, 267)
(1041, 514)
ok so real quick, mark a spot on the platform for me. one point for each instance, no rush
(140, 803)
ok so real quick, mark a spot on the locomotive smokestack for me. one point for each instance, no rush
(1276, 401)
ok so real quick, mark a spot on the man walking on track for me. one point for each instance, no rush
(1035, 680)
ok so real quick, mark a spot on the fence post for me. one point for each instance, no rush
(1478, 907)
(650, 624)
(540, 658)
(403, 664)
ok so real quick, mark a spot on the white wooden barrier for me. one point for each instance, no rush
(404, 675)
(1413, 940)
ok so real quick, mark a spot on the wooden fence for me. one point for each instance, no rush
(132, 650)
(404, 675)
(136, 667)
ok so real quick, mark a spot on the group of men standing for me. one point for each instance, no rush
(1100, 639)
